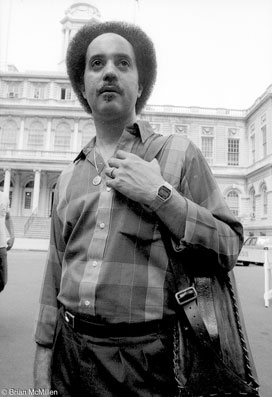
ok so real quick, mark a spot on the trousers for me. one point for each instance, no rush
(3, 268)
(85, 365)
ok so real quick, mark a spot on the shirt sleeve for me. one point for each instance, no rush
(48, 308)
(205, 230)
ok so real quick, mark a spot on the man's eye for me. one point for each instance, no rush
(124, 63)
(96, 64)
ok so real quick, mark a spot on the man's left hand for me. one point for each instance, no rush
(134, 177)
(10, 243)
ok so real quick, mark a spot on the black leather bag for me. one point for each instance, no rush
(212, 356)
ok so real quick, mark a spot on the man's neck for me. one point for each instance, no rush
(108, 134)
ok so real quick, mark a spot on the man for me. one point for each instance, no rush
(5, 245)
(107, 315)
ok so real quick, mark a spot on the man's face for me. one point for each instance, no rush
(111, 77)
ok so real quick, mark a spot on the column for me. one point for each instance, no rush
(7, 181)
(36, 191)
(21, 136)
(75, 140)
(48, 135)
(16, 194)
(44, 194)
(66, 41)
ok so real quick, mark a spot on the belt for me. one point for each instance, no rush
(102, 330)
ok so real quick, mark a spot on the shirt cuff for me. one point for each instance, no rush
(45, 325)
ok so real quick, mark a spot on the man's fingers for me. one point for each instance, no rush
(109, 171)
(113, 162)
(121, 154)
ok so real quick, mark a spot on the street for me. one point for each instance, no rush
(19, 305)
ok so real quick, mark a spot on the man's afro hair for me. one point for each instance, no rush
(144, 54)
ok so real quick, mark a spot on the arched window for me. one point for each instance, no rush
(264, 199)
(62, 140)
(35, 136)
(252, 202)
(88, 132)
(233, 202)
(9, 136)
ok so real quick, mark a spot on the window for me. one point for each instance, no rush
(65, 93)
(253, 147)
(207, 148)
(233, 151)
(28, 195)
(264, 199)
(264, 141)
(39, 90)
(9, 136)
(62, 138)
(35, 136)
(13, 90)
(233, 202)
(28, 200)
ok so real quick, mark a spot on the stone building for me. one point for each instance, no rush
(43, 127)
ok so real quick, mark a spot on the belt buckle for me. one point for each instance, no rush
(69, 318)
(186, 295)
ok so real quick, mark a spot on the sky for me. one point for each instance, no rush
(210, 53)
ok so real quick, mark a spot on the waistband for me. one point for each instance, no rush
(89, 326)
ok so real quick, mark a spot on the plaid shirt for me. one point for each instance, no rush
(106, 255)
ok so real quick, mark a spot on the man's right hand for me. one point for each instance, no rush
(42, 368)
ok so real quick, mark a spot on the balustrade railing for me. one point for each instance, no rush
(29, 221)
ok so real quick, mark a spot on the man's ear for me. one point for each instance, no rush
(140, 91)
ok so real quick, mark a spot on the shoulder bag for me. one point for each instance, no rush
(212, 356)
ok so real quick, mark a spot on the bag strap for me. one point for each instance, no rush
(186, 296)
(156, 144)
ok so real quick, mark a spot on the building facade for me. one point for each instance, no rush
(43, 127)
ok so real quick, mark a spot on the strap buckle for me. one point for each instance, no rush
(186, 295)
(69, 318)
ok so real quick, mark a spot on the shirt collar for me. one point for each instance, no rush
(140, 127)
(143, 128)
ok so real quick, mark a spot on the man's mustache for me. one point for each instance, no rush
(110, 88)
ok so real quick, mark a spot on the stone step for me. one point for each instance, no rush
(39, 227)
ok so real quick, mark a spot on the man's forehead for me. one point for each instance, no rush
(108, 41)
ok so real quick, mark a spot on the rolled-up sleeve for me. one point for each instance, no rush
(202, 224)
(47, 314)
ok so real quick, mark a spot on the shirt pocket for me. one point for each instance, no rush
(139, 223)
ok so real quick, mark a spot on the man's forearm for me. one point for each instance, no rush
(42, 367)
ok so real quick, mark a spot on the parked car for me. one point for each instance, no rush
(253, 250)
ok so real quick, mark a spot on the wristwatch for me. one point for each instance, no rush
(164, 193)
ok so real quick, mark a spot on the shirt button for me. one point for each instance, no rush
(102, 225)
(108, 189)
(87, 303)
(94, 263)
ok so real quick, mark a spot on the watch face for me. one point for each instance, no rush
(164, 192)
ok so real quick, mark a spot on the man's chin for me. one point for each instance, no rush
(110, 106)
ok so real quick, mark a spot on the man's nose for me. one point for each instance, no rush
(110, 72)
